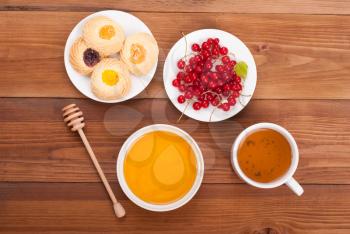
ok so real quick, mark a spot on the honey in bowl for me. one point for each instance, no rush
(264, 155)
(160, 167)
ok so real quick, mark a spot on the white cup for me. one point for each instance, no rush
(287, 178)
(156, 207)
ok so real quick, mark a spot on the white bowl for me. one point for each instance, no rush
(155, 207)
(234, 45)
(130, 25)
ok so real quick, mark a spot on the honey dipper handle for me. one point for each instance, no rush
(118, 208)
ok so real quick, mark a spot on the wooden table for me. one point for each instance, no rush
(48, 183)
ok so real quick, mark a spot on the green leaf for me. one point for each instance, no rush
(241, 69)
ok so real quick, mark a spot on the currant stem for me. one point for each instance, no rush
(240, 102)
(233, 54)
(183, 112)
(245, 95)
(184, 36)
(212, 92)
(211, 114)
(216, 107)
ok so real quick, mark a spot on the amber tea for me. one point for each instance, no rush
(264, 155)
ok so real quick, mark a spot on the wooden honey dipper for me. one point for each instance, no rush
(74, 119)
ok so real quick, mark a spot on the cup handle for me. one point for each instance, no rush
(295, 186)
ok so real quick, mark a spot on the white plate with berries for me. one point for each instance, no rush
(209, 75)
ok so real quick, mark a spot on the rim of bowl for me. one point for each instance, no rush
(280, 180)
(160, 207)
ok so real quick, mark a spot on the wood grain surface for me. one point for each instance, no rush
(234, 6)
(295, 54)
(45, 150)
(217, 208)
(49, 185)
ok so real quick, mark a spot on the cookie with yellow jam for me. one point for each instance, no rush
(104, 35)
(110, 79)
(140, 53)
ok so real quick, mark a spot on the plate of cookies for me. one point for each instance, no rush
(111, 56)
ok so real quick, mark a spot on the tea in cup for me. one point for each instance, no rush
(266, 155)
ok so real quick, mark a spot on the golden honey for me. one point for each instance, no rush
(160, 167)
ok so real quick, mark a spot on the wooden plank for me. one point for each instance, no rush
(78, 207)
(243, 6)
(36, 146)
(298, 56)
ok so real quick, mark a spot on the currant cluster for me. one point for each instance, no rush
(207, 77)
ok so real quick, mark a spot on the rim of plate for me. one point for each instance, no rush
(227, 39)
(80, 81)
(155, 207)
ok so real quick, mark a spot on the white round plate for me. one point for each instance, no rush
(235, 46)
(130, 25)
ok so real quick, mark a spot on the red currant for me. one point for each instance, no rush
(176, 83)
(204, 79)
(215, 51)
(232, 63)
(202, 89)
(181, 99)
(180, 75)
(188, 69)
(231, 100)
(196, 106)
(205, 46)
(205, 103)
(181, 64)
(192, 61)
(208, 65)
(212, 84)
(220, 83)
(219, 68)
(235, 94)
(210, 41)
(225, 106)
(196, 47)
(227, 87)
(198, 69)
(193, 76)
(218, 90)
(223, 50)
(197, 92)
(238, 79)
(214, 101)
(205, 54)
(227, 67)
(214, 76)
(226, 93)
(237, 87)
(196, 82)
(182, 88)
(188, 79)
(216, 41)
(225, 77)
(201, 97)
(188, 95)
(225, 59)
(189, 88)
(198, 58)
